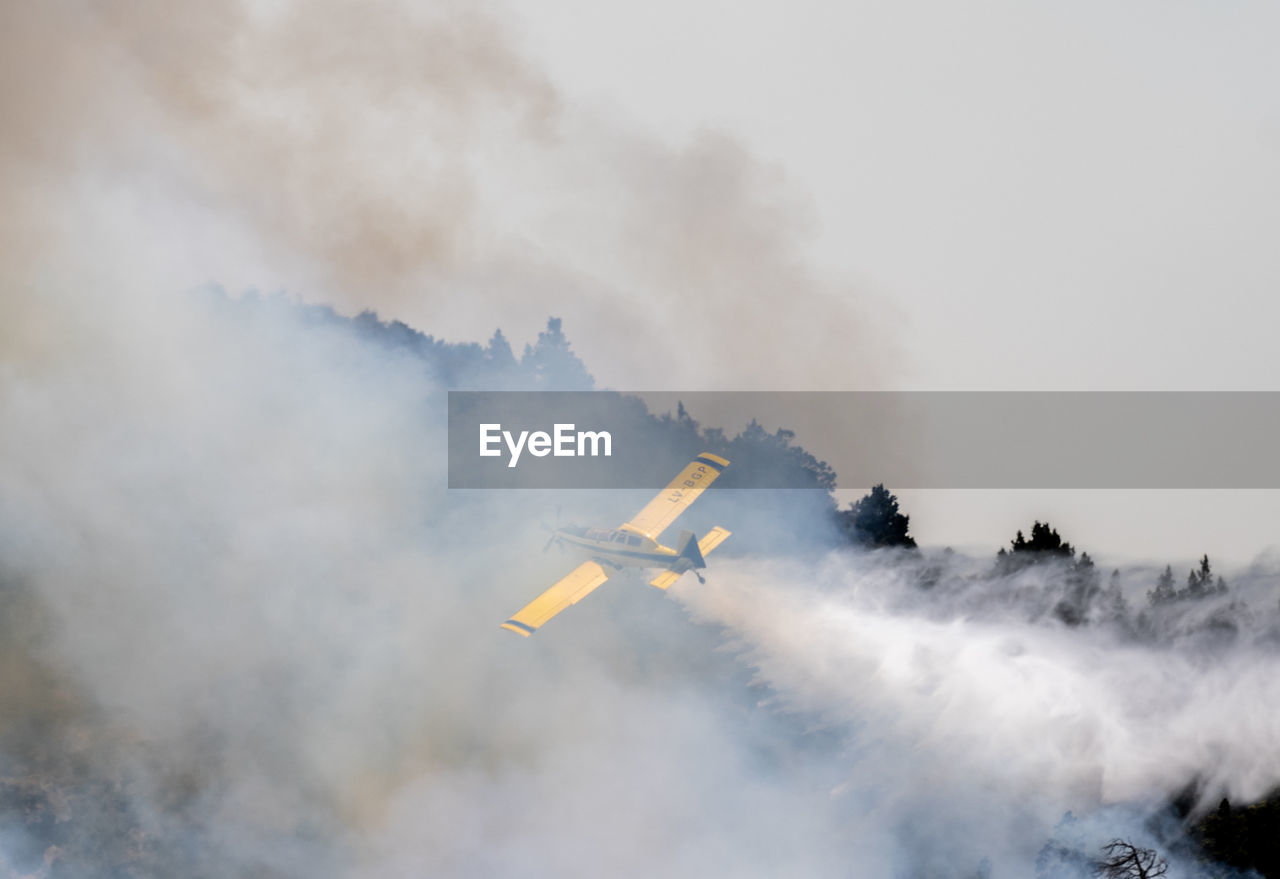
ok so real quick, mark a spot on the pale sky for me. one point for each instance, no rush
(1069, 196)
(1044, 196)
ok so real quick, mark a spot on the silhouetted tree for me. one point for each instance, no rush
(498, 353)
(1200, 582)
(1082, 589)
(1122, 859)
(1115, 608)
(767, 460)
(1044, 539)
(553, 364)
(789, 486)
(875, 521)
(1045, 545)
(1164, 590)
(1247, 838)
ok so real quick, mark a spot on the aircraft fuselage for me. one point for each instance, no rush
(620, 547)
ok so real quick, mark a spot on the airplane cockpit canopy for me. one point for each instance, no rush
(614, 535)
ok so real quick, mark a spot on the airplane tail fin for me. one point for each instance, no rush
(688, 549)
(710, 541)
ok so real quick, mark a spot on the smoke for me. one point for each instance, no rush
(979, 721)
(253, 622)
(249, 631)
(261, 637)
(284, 118)
(405, 158)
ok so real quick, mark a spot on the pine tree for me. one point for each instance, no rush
(1201, 582)
(1047, 540)
(875, 521)
(1082, 589)
(499, 354)
(1045, 545)
(553, 364)
(1117, 608)
(1164, 591)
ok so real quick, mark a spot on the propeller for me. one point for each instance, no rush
(554, 538)
(546, 527)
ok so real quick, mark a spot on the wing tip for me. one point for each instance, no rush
(519, 628)
(711, 458)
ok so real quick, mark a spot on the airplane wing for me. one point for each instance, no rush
(710, 541)
(676, 497)
(570, 590)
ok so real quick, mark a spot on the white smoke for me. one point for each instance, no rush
(263, 618)
(272, 645)
(985, 727)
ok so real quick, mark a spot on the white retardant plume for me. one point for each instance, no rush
(973, 727)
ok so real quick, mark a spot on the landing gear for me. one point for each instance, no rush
(701, 579)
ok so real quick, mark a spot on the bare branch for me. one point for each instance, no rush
(1124, 860)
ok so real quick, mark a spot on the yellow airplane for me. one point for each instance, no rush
(634, 544)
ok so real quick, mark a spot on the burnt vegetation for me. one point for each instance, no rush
(1122, 859)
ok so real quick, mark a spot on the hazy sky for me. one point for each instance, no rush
(1069, 196)
(1036, 196)
(711, 195)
